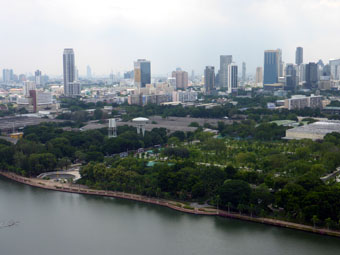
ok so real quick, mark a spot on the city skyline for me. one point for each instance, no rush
(110, 36)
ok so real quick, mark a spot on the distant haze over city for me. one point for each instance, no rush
(109, 35)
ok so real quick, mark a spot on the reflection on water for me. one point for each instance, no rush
(62, 223)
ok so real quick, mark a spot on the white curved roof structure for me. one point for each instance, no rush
(140, 119)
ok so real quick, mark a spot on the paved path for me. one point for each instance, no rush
(47, 184)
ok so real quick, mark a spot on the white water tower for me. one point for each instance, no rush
(140, 124)
(112, 128)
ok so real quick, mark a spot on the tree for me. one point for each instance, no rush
(235, 191)
(315, 220)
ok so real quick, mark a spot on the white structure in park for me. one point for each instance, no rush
(112, 128)
(141, 122)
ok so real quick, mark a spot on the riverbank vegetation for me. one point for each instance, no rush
(244, 172)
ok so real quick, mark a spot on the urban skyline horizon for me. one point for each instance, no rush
(102, 74)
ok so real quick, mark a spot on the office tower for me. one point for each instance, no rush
(37, 78)
(271, 67)
(326, 71)
(280, 63)
(291, 79)
(192, 75)
(311, 75)
(259, 75)
(7, 75)
(181, 79)
(28, 86)
(209, 80)
(69, 71)
(88, 72)
(232, 77)
(302, 73)
(225, 60)
(142, 69)
(244, 72)
(299, 56)
(335, 69)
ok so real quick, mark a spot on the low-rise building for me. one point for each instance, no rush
(315, 131)
(300, 102)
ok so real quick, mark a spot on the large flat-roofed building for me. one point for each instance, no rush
(315, 131)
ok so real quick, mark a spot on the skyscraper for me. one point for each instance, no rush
(209, 80)
(7, 75)
(259, 75)
(69, 71)
(37, 78)
(225, 60)
(299, 56)
(142, 71)
(271, 66)
(232, 77)
(88, 72)
(181, 79)
(291, 79)
(244, 72)
(311, 75)
(335, 69)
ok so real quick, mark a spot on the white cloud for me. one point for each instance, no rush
(110, 34)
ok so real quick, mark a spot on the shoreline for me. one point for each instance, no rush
(38, 183)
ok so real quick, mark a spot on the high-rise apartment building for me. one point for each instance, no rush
(142, 73)
(181, 79)
(232, 77)
(271, 66)
(259, 75)
(37, 78)
(69, 73)
(225, 60)
(299, 56)
(311, 75)
(209, 80)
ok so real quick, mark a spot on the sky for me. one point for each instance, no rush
(109, 35)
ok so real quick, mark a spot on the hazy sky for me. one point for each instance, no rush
(111, 34)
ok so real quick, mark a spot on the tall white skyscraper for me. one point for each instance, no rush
(232, 77)
(70, 74)
(225, 60)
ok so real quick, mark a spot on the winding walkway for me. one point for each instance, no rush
(166, 203)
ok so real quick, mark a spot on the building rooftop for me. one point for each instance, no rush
(314, 131)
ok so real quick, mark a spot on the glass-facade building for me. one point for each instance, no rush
(271, 64)
(142, 73)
